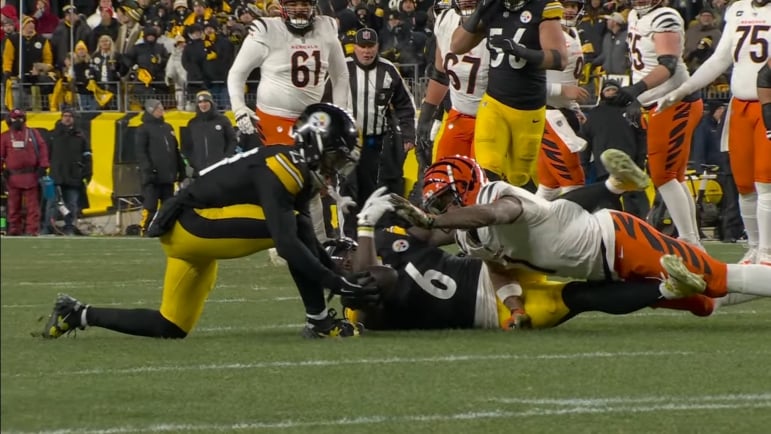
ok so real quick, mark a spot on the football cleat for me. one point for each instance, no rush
(331, 327)
(750, 257)
(65, 318)
(680, 282)
(624, 173)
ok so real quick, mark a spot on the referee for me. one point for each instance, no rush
(385, 114)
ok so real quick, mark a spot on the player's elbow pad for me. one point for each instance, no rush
(670, 62)
(438, 76)
(764, 77)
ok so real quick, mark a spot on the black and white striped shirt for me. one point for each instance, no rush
(376, 90)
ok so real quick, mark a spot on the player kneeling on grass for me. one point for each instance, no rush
(513, 229)
(239, 206)
(433, 289)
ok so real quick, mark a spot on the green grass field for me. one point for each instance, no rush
(246, 369)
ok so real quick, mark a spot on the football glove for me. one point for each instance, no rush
(344, 203)
(670, 99)
(377, 204)
(519, 320)
(628, 94)
(423, 132)
(357, 290)
(410, 212)
(246, 120)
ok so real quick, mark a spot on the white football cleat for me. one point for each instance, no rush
(750, 257)
(681, 282)
(624, 173)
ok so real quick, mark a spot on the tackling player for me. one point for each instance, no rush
(295, 53)
(524, 38)
(744, 46)
(466, 77)
(513, 229)
(656, 38)
(435, 289)
(559, 163)
(237, 207)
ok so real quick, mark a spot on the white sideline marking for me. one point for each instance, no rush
(662, 404)
(382, 361)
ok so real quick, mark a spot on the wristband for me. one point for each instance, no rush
(509, 290)
(365, 232)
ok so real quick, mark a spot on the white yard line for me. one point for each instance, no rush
(379, 361)
(686, 404)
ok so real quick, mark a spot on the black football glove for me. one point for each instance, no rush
(628, 94)
(424, 144)
(357, 290)
(633, 114)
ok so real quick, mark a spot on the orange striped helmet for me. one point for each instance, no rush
(452, 180)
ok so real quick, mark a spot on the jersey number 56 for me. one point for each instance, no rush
(497, 55)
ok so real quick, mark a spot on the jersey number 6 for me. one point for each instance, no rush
(433, 282)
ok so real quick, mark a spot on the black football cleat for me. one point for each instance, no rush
(331, 327)
(65, 318)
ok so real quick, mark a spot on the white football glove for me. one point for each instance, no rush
(670, 99)
(344, 203)
(245, 119)
(377, 204)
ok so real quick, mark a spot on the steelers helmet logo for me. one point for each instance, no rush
(525, 17)
(319, 121)
(400, 246)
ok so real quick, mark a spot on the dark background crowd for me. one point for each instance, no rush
(90, 55)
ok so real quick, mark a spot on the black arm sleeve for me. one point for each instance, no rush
(278, 206)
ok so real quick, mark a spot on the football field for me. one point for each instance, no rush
(246, 369)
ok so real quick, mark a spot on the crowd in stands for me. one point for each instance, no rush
(82, 53)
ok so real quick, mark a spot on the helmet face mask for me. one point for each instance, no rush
(514, 5)
(329, 141)
(298, 14)
(464, 8)
(452, 181)
(570, 17)
(642, 7)
(341, 251)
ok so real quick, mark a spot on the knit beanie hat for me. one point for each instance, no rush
(152, 104)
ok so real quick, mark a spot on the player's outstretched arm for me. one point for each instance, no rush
(502, 211)
(474, 28)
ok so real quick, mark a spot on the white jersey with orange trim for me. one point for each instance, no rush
(467, 72)
(642, 49)
(569, 75)
(294, 68)
(556, 237)
(748, 36)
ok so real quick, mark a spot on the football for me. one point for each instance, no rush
(385, 277)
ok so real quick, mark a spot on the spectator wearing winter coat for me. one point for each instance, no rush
(209, 136)
(705, 27)
(606, 127)
(193, 59)
(160, 161)
(107, 26)
(70, 31)
(71, 170)
(614, 56)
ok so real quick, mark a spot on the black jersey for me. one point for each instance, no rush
(277, 179)
(435, 289)
(513, 81)
(241, 179)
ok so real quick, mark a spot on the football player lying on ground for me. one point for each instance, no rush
(434, 289)
(239, 206)
(510, 228)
